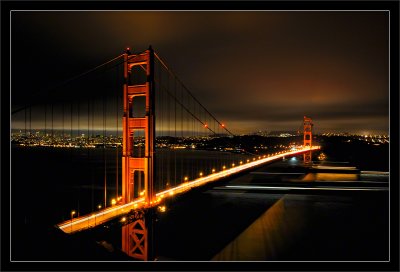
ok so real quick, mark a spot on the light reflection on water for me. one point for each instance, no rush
(270, 235)
(330, 177)
(283, 226)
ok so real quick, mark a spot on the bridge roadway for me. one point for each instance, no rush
(102, 216)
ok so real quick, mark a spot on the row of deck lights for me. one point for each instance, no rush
(186, 179)
(201, 174)
(113, 202)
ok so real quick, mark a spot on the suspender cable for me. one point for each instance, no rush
(181, 120)
(88, 154)
(104, 150)
(52, 122)
(92, 135)
(175, 178)
(30, 123)
(65, 82)
(169, 109)
(116, 140)
(71, 126)
(45, 121)
(181, 83)
(63, 135)
(25, 125)
(159, 178)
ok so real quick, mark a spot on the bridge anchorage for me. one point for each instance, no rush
(150, 90)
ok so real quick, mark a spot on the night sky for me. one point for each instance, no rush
(260, 70)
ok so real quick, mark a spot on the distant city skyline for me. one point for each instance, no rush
(113, 132)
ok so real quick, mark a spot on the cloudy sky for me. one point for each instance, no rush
(259, 70)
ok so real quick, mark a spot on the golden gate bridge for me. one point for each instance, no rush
(137, 105)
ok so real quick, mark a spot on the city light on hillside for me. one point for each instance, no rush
(162, 208)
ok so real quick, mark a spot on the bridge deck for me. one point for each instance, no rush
(102, 216)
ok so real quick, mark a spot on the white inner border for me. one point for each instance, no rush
(11, 11)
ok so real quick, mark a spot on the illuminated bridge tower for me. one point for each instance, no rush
(307, 124)
(138, 167)
(138, 120)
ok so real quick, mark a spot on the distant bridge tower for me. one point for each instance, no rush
(138, 167)
(307, 125)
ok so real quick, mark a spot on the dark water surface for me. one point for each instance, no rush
(213, 223)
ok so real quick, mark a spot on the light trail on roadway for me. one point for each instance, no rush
(97, 218)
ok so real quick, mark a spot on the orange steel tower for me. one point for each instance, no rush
(138, 166)
(138, 236)
(307, 124)
(139, 83)
(307, 131)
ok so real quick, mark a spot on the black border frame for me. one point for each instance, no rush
(392, 6)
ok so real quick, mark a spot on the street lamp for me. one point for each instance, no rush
(72, 215)
(95, 216)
